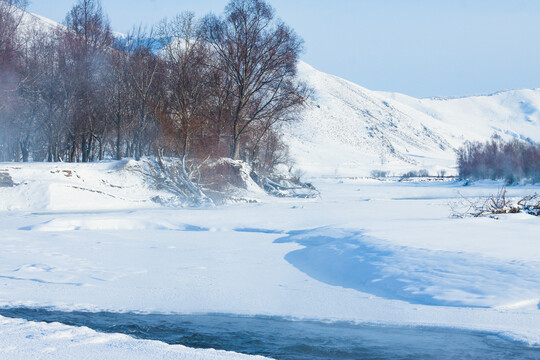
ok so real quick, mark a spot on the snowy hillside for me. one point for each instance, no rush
(514, 113)
(29, 21)
(348, 130)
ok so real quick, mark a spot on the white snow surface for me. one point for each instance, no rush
(99, 186)
(366, 251)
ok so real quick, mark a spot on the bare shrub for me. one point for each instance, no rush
(496, 159)
(220, 175)
(494, 205)
(179, 177)
(415, 174)
(379, 174)
(531, 204)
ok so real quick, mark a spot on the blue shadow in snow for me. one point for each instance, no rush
(347, 259)
(257, 230)
(194, 228)
(347, 262)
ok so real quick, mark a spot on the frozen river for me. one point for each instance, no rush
(293, 340)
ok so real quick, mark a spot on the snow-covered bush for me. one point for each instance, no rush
(531, 204)
(6, 180)
(179, 177)
(226, 179)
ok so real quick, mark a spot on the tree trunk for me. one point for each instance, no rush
(139, 151)
(91, 149)
(235, 151)
(72, 152)
(118, 140)
(25, 151)
(56, 152)
(100, 153)
(50, 151)
(83, 149)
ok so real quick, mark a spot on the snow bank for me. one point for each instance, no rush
(23, 340)
(63, 186)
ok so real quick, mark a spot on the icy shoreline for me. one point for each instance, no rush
(20, 339)
(287, 339)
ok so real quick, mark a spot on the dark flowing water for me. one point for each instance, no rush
(292, 340)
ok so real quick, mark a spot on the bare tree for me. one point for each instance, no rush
(144, 71)
(188, 80)
(259, 54)
(88, 32)
(496, 159)
(11, 15)
(119, 96)
(11, 79)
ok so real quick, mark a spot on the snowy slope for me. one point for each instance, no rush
(348, 130)
(514, 113)
(29, 22)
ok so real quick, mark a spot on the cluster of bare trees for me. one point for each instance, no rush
(496, 159)
(210, 87)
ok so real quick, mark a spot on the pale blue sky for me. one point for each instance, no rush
(417, 47)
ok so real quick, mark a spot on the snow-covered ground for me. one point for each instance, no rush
(366, 251)
(99, 186)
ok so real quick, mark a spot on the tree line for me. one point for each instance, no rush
(497, 159)
(216, 86)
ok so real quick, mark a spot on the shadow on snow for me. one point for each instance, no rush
(420, 276)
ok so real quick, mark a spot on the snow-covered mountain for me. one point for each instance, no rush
(30, 21)
(348, 130)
